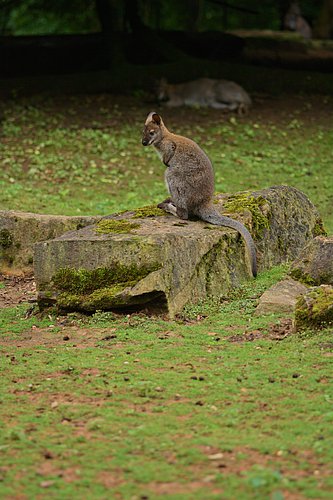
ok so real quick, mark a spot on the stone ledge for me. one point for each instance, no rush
(19, 231)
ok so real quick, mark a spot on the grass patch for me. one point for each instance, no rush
(57, 162)
(152, 406)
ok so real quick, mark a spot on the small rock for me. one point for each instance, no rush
(46, 484)
(199, 403)
(281, 297)
(216, 456)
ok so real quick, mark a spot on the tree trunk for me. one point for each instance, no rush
(195, 11)
(323, 27)
(111, 15)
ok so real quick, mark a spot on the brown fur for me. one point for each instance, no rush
(190, 179)
(205, 92)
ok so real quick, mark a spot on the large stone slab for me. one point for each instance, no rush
(19, 231)
(148, 257)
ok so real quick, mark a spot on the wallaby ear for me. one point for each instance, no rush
(153, 117)
(156, 118)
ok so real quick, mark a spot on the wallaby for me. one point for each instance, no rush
(190, 179)
(294, 21)
(205, 92)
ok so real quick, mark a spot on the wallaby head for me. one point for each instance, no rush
(153, 129)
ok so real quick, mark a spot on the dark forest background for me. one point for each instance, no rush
(41, 37)
(40, 17)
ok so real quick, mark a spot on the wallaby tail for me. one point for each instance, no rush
(221, 220)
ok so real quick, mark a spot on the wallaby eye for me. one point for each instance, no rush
(151, 132)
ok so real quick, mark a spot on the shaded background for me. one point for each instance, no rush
(124, 45)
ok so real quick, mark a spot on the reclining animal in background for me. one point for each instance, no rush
(205, 92)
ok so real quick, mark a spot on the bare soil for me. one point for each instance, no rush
(17, 289)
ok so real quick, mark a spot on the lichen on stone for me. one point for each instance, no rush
(258, 206)
(107, 226)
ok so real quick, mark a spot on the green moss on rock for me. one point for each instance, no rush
(6, 239)
(84, 281)
(319, 229)
(302, 277)
(102, 299)
(258, 206)
(315, 308)
(148, 211)
(107, 226)
(101, 288)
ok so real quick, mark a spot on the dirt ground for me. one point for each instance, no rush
(85, 110)
(17, 289)
(265, 108)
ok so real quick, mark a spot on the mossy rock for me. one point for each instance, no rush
(103, 299)
(100, 288)
(19, 231)
(256, 205)
(151, 257)
(315, 308)
(148, 211)
(314, 266)
(84, 281)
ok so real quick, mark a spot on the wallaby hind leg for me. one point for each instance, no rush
(171, 208)
(219, 105)
(242, 109)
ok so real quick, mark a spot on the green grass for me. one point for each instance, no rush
(53, 161)
(132, 406)
(166, 408)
